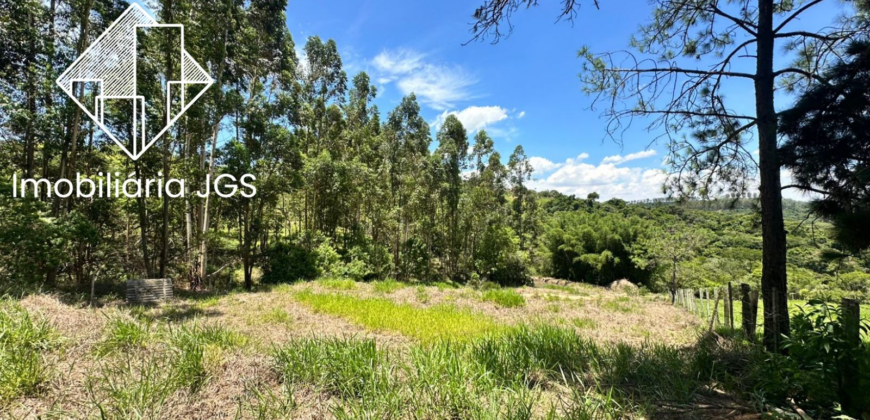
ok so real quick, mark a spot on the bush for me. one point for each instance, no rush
(498, 258)
(288, 262)
(817, 351)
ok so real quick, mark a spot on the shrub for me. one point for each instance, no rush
(818, 348)
(328, 260)
(287, 262)
(505, 298)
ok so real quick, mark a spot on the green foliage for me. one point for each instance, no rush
(594, 247)
(287, 262)
(23, 340)
(193, 345)
(819, 350)
(826, 147)
(137, 383)
(506, 298)
(133, 387)
(499, 259)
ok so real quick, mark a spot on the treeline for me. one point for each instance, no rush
(664, 247)
(341, 188)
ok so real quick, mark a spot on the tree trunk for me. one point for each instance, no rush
(674, 283)
(773, 274)
(143, 229)
(167, 152)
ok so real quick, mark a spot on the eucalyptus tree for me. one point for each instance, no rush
(453, 152)
(406, 143)
(523, 205)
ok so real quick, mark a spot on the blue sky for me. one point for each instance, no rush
(524, 90)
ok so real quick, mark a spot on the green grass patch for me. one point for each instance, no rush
(337, 284)
(618, 305)
(422, 295)
(584, 323)
(275, 316)
(125, 334)
(23, 340)
(566, 289)
(424, 324)
(388, 286)
(506, 298)
(198, 349)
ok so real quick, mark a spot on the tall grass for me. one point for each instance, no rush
(23, 340)
(344, 367)
(125, 334)
(137, 381)
(424, 324)
(499, 375)
(133, 387)
(197, 351)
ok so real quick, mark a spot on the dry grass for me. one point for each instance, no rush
(241, 381)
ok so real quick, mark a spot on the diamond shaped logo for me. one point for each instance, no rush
(136, 80)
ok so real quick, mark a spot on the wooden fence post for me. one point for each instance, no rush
(748, 316)
(716, 305)
(715, 318)
(730, 307)
(851, 312)
(700, 301)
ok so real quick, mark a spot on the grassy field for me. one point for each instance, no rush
(338, 349)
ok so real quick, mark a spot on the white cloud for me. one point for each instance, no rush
(542, 165)
(618, 159)
(521, 115)
(475, 118)
(610, 181)
(436, 85)
(398, 61)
